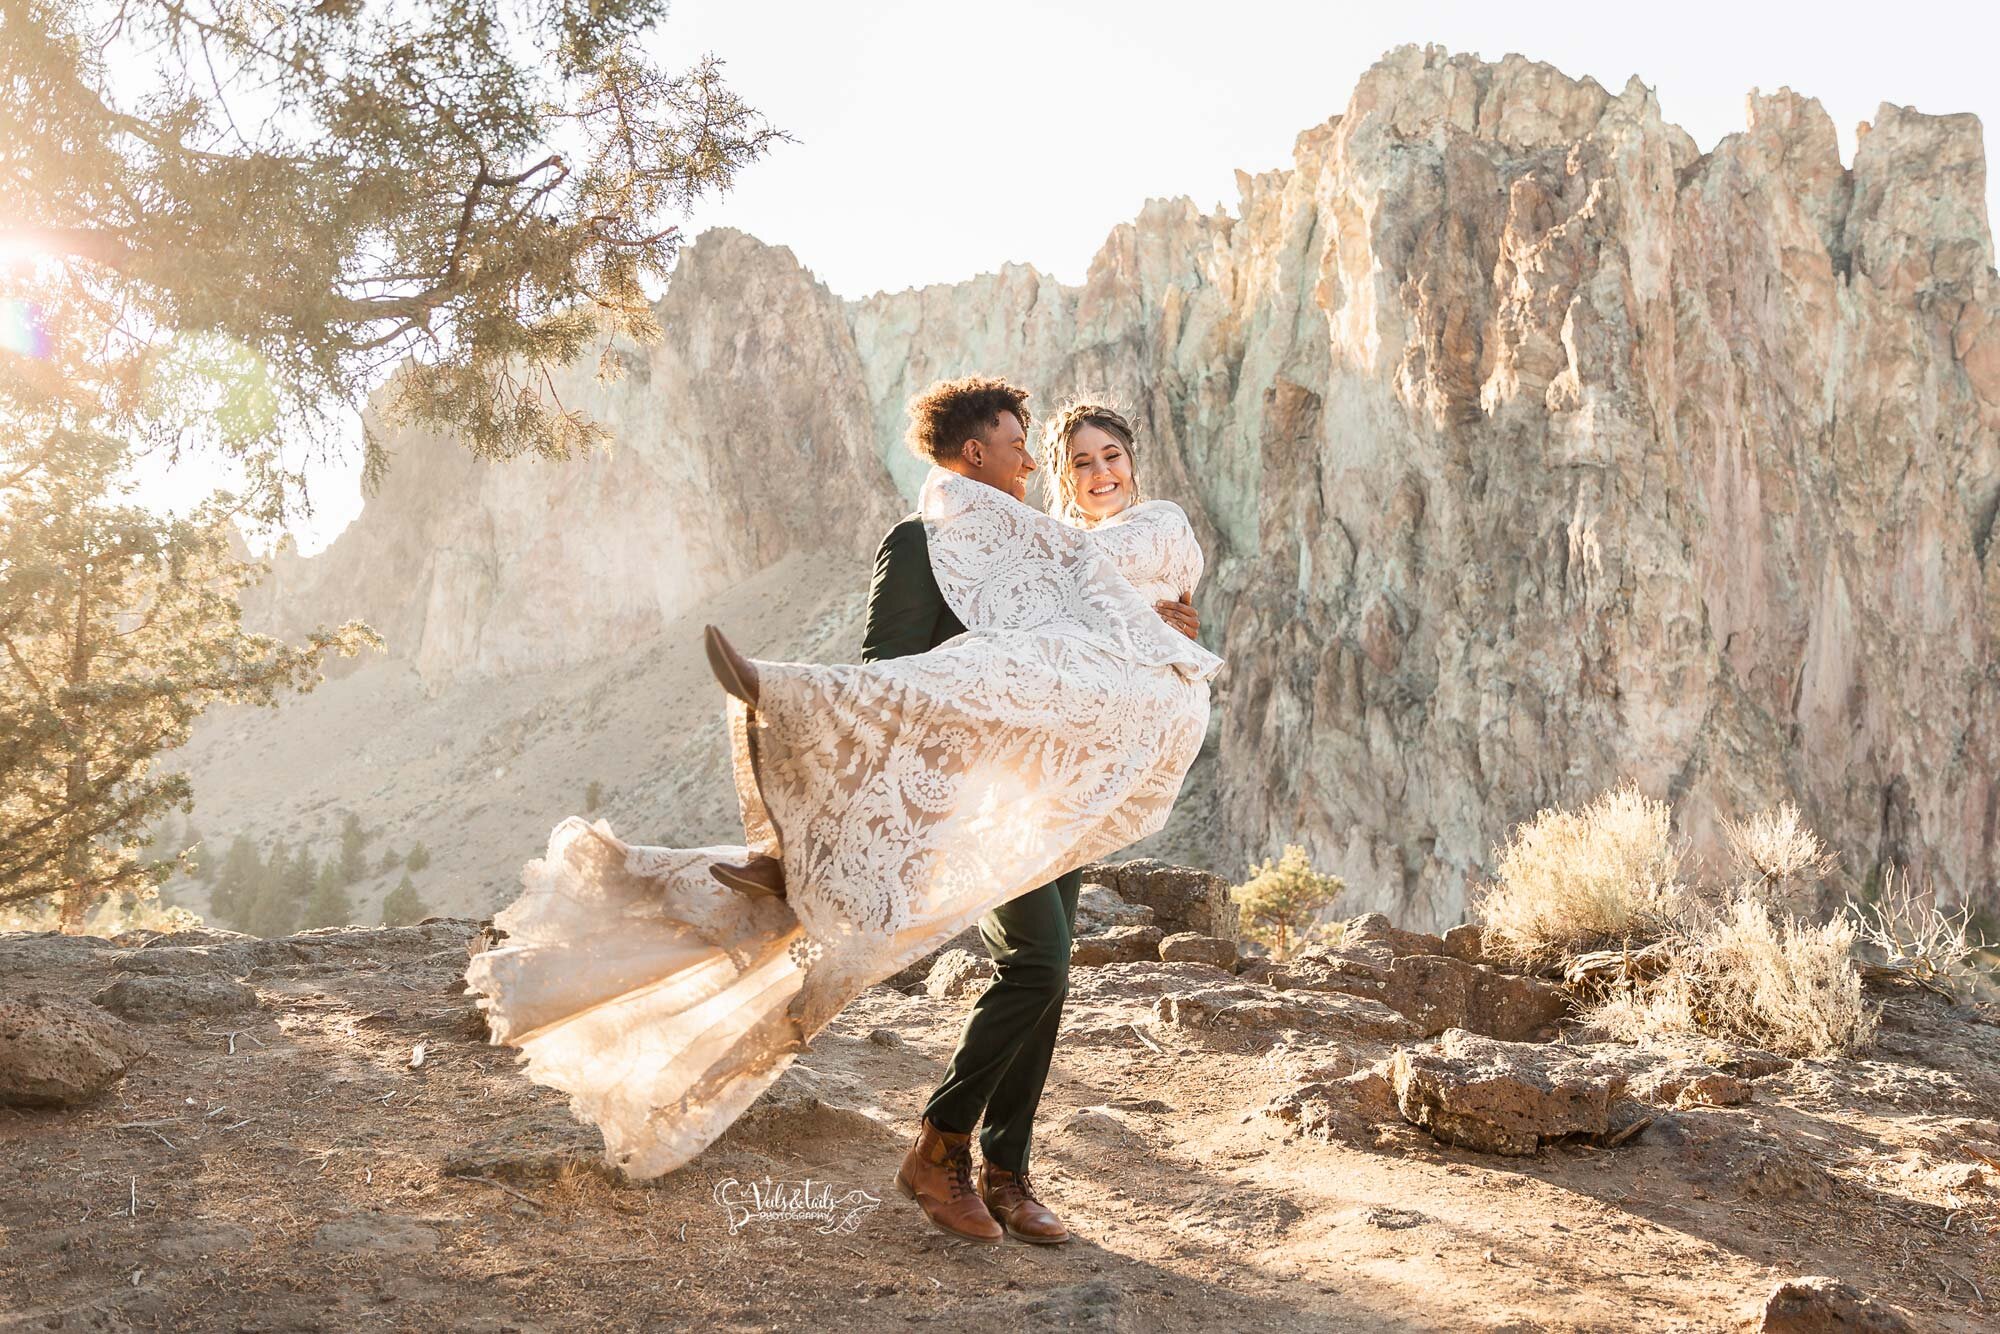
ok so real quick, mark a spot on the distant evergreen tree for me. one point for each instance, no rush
(391, 859)
(236, 880)
(328, 904)
(403, 907)
(593, 795)
(272, 908)
(353, 857)
(419, 858)
(302, 876)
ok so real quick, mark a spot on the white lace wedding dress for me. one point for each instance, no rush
(905, 799)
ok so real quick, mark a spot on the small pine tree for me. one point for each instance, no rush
(1280, 902)
(272, 906)
(593, 795)
(403, 906)
(236, 881)
(302, 876)
(353, 842)
(391, 859)
(419, 858)
(328, 904)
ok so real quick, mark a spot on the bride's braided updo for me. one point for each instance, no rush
(1061, 479)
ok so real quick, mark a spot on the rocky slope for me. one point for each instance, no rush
(1533, 447)
(311, 1133)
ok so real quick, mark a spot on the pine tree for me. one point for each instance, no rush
(391, 859)
(353, 854)
(118, 626)
(473, 190)
(272, 908)
(419, 858)
(236, 881)
(328, 904)
(403, 907)
(1280, 902)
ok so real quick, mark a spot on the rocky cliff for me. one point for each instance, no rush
(1533, 448)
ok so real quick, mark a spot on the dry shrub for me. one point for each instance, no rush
(1777, 857)
(1768, 979)
(1572, 881)
(109, 917)
(1905, 932)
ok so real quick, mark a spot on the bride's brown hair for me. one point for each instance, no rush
(1055, 451)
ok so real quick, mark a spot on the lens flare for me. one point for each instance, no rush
(21, 328)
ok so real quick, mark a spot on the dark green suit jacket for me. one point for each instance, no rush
(906, 609)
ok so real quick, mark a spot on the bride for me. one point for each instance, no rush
(885, 806)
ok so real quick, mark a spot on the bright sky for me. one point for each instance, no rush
(1080, 110)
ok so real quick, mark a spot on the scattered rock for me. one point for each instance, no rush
(1821, 1305)
(26, 952)
(1098, 909)
(55, 1052)
(915, 974)
(1182, 898)
(1258, 1012)
(887, 1037)
(1774, 1171)
(1503, 1097)
(1713, 1090)
(958, 973)
(1093, 1304)
(197, 996)
(1393, 1219)
(1345, 1109)
(1463, 943)
(1193, 947)
(1121, 944)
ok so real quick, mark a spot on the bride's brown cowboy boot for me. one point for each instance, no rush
(937, 1174)
(1010, 1199)
(760, 876)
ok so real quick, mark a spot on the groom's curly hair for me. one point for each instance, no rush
(950, 412)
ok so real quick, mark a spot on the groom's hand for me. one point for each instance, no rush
(1181, 615)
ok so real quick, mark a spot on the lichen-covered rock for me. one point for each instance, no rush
(1262, 1014)
(1121, 944)
(1193, 947)
(55, 1052)
(1435, 991)
(1375, 929)
(1464, 942)
(1099, 908)
(1182, 898)
(1503, 1097)
(958, 973)
(1821, 1305)
(197, 996)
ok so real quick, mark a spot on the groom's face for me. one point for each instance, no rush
(999, 456)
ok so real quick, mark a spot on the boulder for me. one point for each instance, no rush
(1822, 1305)
(55, 1052)
(958, 973)
(1435, 991)
(1348, 1108)
(1193, 947)
(196, 996)
(1503, 1097)
(967, 941)
(1464, 942)
(1121, 944)
(1182, 898)
(1375, 929)
(25, 952)
(1098, 909)
(1257, 1012)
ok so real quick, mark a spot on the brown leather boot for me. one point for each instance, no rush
(1010, 1199)
(937, 1174)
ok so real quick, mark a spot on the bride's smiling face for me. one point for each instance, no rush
(1101, 467)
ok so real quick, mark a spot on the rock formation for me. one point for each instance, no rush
(1533, 448)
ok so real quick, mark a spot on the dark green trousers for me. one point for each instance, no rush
(1003, 1053)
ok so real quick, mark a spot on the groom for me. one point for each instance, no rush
(977, 428)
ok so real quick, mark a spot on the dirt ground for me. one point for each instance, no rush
(290, 1167)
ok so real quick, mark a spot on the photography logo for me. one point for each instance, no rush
(820, 1203)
